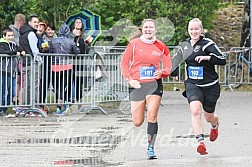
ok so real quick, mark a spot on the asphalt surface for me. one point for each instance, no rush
(111, 140)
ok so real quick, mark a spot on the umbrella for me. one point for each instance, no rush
(91, 22)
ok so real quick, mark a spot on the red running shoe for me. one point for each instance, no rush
(202, 148)
(214, 133)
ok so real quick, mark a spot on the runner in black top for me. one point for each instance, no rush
(202, 88)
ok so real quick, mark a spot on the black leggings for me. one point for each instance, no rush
(45, 79)
(62, 84)
(82, 83)
(82, 79)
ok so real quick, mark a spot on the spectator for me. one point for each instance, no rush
(9, 68)
(28, 41)
(49, 32)
(46, 69)
(18, 23)
(61, 66)
(40, 32)
(77, 34)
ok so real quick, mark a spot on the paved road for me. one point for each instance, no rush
(176, 145)
(111, 140)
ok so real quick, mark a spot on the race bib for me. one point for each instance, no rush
(195, 72)
(147, 72)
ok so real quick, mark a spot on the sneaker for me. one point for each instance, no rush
(43, 110)
(10, 116)
(3, 113)
(66, 109)
(66, 106)
(67, 112)
(31, 114)
(150, 153)
(214, 133)
(20, 111)
(59, 112)
(202, 148)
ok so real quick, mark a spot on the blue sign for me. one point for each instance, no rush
(147, 72)
(195, 72)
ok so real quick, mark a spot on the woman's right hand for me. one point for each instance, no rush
(135, 84)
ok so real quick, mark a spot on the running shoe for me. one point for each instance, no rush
(202, 148)
(214, 133)
(150, 153)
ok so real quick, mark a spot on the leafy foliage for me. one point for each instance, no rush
(179, 12)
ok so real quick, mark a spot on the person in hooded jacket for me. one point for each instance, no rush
(62, 65)
(8, 68)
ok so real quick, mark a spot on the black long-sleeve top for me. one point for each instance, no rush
(205, 69)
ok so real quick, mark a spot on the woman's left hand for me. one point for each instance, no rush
(201, 58)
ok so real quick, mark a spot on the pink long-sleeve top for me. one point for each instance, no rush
(139, 55)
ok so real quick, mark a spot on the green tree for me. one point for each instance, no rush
(57, 11)
(178, 11)
(9, 8)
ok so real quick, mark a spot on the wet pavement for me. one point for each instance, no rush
(98, 140)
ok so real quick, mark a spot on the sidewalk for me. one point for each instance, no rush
(111, 140)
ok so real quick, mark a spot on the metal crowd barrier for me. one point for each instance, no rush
(239, 67)
(85, 80)
(69, 80)
(8, 81)
(18, 84)
(222, 70)
(112, 87)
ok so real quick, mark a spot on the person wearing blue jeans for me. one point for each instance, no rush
(8, 69)
(8, 83)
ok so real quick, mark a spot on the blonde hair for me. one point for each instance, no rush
(196, 20)
(145, 20)
(19, 17)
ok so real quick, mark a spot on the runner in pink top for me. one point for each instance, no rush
(139, 53)
(141, 67)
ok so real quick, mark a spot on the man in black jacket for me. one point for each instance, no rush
(28, 41)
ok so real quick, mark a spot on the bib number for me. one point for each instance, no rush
(195, 72)
(147, 72)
